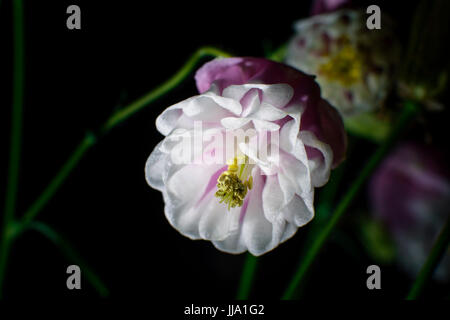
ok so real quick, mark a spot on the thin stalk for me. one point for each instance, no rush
(134, 107)
(55, 184)
(435, 256)
(247, 277)
(116, 118)
(71, 254)
(409, 109)
(324, 209)
(12, 229)
(16, 134)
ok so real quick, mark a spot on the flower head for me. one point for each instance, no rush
(353, 65)
(410, 194)
(240, 161)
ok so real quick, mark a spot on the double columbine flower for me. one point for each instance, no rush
(354, 65)
(252, 194)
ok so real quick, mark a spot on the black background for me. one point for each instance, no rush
(74, 80)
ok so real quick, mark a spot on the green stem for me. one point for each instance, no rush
(89, 140)
(123, 114)
(114, 120)
(324, 209)
(71, 254)
(435, 256)
(16, 133)
(248, 274)
(47, 194)
(408, 111)
(328, 194)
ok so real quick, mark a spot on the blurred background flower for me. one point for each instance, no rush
(352, 63)
(410, 195)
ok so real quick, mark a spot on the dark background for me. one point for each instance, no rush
(74, 80)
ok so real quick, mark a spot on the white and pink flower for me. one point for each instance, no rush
(248, 201)
(354, 66)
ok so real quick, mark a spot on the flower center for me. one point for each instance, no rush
(234, 183)
(344, 67)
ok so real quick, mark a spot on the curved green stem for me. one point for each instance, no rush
(435, 256)
(53, 186)
(409, 110)
(247, 277)
(134, 107)
(70, 254)
(116, 118)
(88, 141)
(16, 134)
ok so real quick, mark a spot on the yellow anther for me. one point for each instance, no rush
(231, 189)
(344, 67)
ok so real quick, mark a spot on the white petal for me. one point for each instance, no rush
(236, 92)
(216, 222)
(154, 168)
(287, 187)
(288, 135)
(250, 102)
(297, 172)
(185, 189)
(297, 212)
(268, 113)
(233, 123)
(272, 198)
(256, 229)
(261, 125)
(277, 95)
(232, 244)
(168, 119)
(206, 109)
(319, 167)
(229, 104)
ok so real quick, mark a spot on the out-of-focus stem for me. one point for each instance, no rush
(409, 110)
(435, 256)
(10, 231)
(137, 105)
(53, 186)
(71, 255)
(16, 135)
(247, 277)
(116, 118)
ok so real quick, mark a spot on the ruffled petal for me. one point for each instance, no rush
(320, 165)
(298, 212)
(184, 210)
(154, 168)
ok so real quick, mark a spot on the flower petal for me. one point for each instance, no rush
(320, 166)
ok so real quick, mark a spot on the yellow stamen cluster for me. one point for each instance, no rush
(231, 187)
(344, 67)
